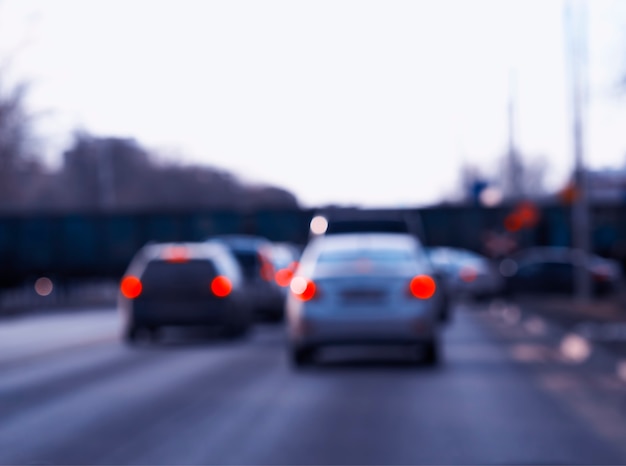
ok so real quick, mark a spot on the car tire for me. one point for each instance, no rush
(154, 333)
(302, 357)
(432, 353)
(237, 331)
(131, 334)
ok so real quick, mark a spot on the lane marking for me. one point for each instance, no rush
(44, 354)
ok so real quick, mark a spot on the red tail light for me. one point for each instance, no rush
(131, 287)
(601, 274)
(303, 288)
(221, 286)
(422, 287)
(267, 269)
(283, 277)
(468, 274)
(267, 272)
(176, 254)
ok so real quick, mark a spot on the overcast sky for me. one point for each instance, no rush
(356, 102)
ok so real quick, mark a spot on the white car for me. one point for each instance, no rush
(363, 288)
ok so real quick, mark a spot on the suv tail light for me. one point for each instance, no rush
(267, 269)
(601, 273)
(422, 287)
(131, 287)
(468, 274)
(283, 277)
(303, 288)
(221, 286)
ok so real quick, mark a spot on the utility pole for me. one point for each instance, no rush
(514, 166)
(576, 13)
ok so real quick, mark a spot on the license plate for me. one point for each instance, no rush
(363, 295)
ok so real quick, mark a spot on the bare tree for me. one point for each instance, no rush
(113, 174)
(16, 157)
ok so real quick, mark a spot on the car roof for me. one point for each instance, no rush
(240, 241)
(366, 241)
(191, 250)
(366, 225)
(354, 220)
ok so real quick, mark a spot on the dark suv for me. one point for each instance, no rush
(182, 284)
(370, 221)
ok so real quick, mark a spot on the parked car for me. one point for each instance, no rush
(363, 288)
(254, 255)
(546, 270)
(466, 273)
(183, 284)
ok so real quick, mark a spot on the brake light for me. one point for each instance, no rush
(303, 288)
(131, 287)
(267, 272)
(283, 277)
(422, 287)
(468, 274)
(267, 269)
(176, 254)
(601, 274)
(221, 286)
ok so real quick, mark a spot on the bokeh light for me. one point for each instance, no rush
(491, 196)
(468, 274)
(508, 267)
(302, 288)
(535, 326)
(511, 314)
(423, 287)
(575, 348)
(221, 286)
(44, 286)
(283, 277)
(131, 287)
(319, 225)
(298, 285)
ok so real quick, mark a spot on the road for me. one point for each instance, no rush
(511, 391)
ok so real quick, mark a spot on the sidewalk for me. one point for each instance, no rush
(568, 309)
(602, 321)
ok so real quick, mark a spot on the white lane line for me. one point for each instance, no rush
(43, 354)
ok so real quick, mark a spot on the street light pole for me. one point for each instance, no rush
(577, 41)
(514, 164)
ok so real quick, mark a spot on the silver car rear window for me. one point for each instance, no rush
(375, 256)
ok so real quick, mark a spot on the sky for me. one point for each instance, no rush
(372, 103)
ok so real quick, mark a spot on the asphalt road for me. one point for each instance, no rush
(511, 391)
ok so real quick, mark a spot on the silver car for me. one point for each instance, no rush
(363, 288)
